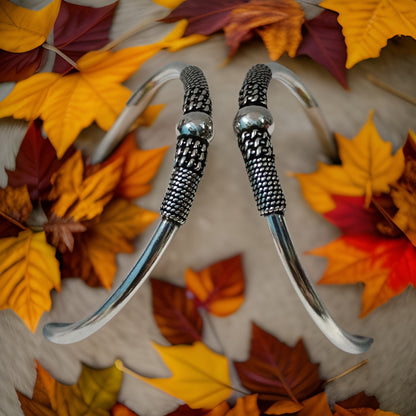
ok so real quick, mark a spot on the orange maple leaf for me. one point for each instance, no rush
(15, 204)
(138, 168)
(385, 265)
(368, 24)
(367, 168)
(94, 255)
(278, 22)
(94, 394)
(82, 198)
(218, 288)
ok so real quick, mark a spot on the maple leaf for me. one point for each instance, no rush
(175, 314)
(26, 29)
(79, 29)
(76, 30)
(36, 162)
(60, 232)
(94, 394)
(360, 405)
(367, 168)
(138, 169)
(93, 257)
(368, 25)
(82, 198)
(120, 410)
(316, 406)
(200, 377)
(29, 271)
(383, 264)
(69, 103)
(278, 22)
(218, 288)
(323, 41)
(204, 17)
(245, 406)
(278, 372)
(185, 410)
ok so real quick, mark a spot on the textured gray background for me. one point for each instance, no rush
(224, 222)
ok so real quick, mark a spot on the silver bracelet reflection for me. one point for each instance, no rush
(194, 132)
(253, 126)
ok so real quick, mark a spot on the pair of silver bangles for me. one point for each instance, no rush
(253, 126)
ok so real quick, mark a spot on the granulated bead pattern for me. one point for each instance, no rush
(196, 91)
(257, 151)
(190, 159)
(254, 89)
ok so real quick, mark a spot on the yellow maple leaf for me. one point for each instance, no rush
(170, 4)
(176, 40)
(367, 168)
(79, 198)
(24, 29)
(200, 377)
(94, 394)
(93, 258)
(69, 103)
(278, 22)
(368, 24)
(29, 271)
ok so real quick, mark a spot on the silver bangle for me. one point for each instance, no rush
(194, 132)
(253, 126)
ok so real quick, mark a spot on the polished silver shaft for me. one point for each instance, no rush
(67, 333)
(354, 344)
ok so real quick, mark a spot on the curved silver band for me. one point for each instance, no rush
(253, 126)
(195, 131)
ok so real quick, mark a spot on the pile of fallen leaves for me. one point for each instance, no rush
(343, 34)
(276, 379)
(371, 197)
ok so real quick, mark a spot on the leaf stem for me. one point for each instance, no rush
(119, 365)
(391, 90)
(143, 25)
(60, 53)
(12, 220)
(344, 373)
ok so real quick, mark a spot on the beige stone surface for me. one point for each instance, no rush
(223, 222)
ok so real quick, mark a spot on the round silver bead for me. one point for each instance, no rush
(196, 123)
(253, 116)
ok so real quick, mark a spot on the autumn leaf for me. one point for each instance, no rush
(138, 168)
(360, 405)
(94, 394)
(200, 377)
(36, 162)
(218, 288)
(278, 372)
(384, 264)
(24, 29)
(202, 17)
(82, 198)
(367, 168)
(69, 103)
(323, 41)
(175, 314)
(316, 406)
(278, 22)
(403, 194)
(245, 406)
(185, 410)
(368, 24)
(15, 204)
(29, 271)
(77, 29)
(94, 255)
(120, 410)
